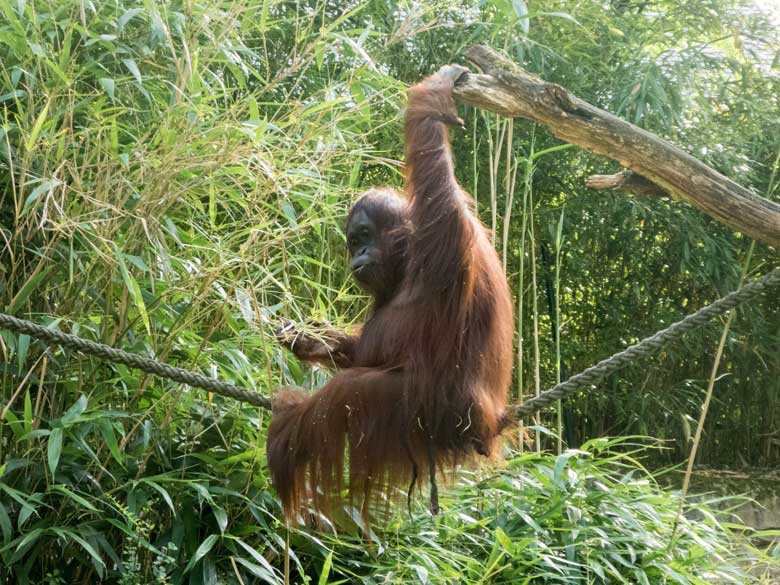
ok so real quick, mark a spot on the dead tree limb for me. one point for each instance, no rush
(659, 168)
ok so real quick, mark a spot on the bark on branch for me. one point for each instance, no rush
(627, 181)
(658, 167)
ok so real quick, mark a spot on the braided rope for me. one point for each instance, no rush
(648, 346)
(148, 365)
(589, 377)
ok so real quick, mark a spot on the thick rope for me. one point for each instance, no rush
(587, 378)
(648, 346)
(145, 364)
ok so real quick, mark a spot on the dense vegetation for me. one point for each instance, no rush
(173, 180)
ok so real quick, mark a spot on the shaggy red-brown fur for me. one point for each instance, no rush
(426, 380)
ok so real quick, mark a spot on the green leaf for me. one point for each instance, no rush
(344, 16)
(27, 289)
(260, 559)
(67, 42)
(28, 412)
(24, 515)
(74, 412)
(521, 12)
(21, 498)
(80, 500)
(108, 85)
(289, 212)
(107, 432)
(221, 517)
(17, 426)
(162, 491)
(264, 20)
(36, 434)
(326, 569)
(254, 110)
(354, 174)
(559, 233)
(202, 551)
(134, 289)
(22, 346)
(258, 571)
(97, 562)
(11, 17)
(54, 449)
(128, 16)
(29, 538)
(37, 127)
(133, 68)
(5, 525)
(58, 72)
(563, 15)
(212, 205)
(505, 542)
(17, 93)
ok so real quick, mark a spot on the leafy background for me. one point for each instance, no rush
(174, 178)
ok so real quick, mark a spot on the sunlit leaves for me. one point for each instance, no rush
(174, 180)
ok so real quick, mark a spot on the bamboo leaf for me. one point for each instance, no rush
(54, 449)
(80, 500)
(37, 127)
(29, 538)
(97, 561)
(5, 525)
(326, 569)
(134, 289)
(107, 432)
(74, 412)
(45, 186)
(127, 16)
(133, 68)
(27, 289)
(108, 86)
(202, 551)
(28, 412)
(22, 347)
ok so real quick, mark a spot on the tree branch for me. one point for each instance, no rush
(507, 89)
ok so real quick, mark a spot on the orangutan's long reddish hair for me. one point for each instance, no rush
(427, 377)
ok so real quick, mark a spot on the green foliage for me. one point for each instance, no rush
(173, 181)
(592, 515)
(631, 266)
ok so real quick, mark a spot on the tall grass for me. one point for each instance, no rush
(174, 187)
(593, 515)
(173, 181)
